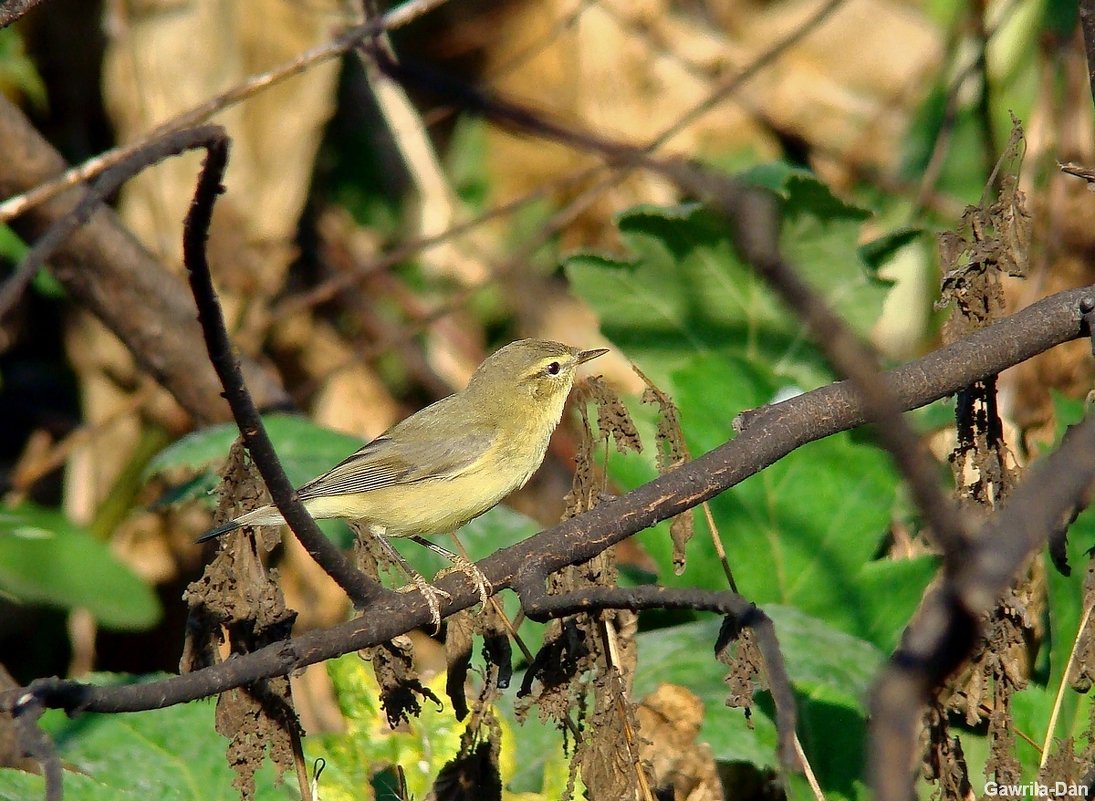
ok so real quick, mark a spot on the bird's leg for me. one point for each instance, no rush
(431, 594)
(464, 565)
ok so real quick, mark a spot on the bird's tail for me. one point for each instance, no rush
(263, 516)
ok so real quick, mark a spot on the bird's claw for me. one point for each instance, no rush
(475, 576)
(431, 594)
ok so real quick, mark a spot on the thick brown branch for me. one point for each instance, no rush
(771, 435)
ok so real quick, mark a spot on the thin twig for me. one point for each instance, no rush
(808, 771)
(1057, 701)
(108, 183)
(769, 437)
(716, 541)
(361, 589)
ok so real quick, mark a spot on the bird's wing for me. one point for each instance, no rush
(385, 462)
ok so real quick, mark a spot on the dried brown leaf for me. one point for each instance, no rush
(613, 421)
(472, 775)
(746, 665)
(993, 240)
(458, 632)
(553, 682)
(671, 452)
(582, 493)
(400, 687)
(613, 418)
(1064, 765)
(237, 595)
(1002, 766)
(573, 649)
(944, 761)
(259, 720)
(497, 650)
(681, 530)
(608, 757)
(1082, 674)
(670, 720)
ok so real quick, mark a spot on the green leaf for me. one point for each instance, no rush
(879, 251)
(806, 530)
(894, 587)
(171, 754)
(306, 450)
(831, 673)
(685, 292)
(47, 559)
(12, 247)
(18, 75)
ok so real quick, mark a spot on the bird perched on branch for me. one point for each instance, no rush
(450, 462)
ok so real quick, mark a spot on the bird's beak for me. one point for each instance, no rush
(589, 355)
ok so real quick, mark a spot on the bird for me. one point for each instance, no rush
(452, 461)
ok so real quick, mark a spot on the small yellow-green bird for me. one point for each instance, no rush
(452, 461)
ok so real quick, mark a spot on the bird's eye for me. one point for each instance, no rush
(553, 368)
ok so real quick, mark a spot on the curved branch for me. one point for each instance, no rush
(361, 589)
(945, 629)
(772, 434)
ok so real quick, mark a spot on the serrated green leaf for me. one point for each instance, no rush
(47, 559)
(685, 292)
(803, 532)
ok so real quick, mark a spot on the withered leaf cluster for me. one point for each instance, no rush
(239, 596)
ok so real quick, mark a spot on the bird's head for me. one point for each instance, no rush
(530, 376)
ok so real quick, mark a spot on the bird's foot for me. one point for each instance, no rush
(432, 595)
(474, 574)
